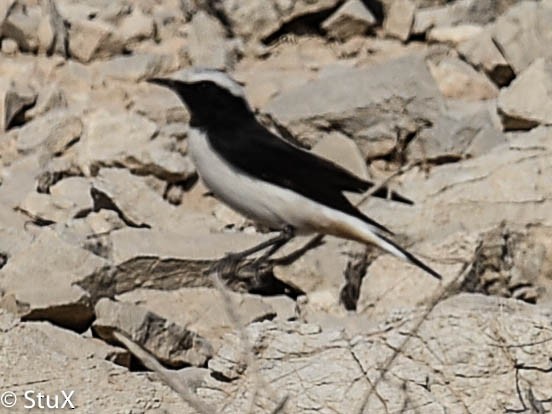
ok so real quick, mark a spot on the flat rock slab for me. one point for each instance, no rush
(203, 310)
(438, 359)
(527, 101)
(482, 52)
(368, 104)
(49, 359)
(260, 19)
(39, 283)
(524, 33)
(353, 18)
(459, 80)
(172, 344)
(510, 183)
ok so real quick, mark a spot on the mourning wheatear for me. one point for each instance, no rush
(268, 179)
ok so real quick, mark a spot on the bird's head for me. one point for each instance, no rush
(211, 96)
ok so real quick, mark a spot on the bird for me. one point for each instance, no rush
(268, 179)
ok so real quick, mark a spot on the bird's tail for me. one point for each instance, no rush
(367, 233)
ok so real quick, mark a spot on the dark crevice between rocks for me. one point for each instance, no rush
(354, 273)
(506, 75)
(103, 201)
(376, 8)
(18, 118)
(499, 267)
(75, 317)
(174, 191)
(173, 274)
(3, 259)
(305, 25)
(214, 9)
(49, 178)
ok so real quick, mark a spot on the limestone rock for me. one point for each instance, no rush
(353, 18)
(136, 67)
(21, 25)
(458, 80)
(477, 193)
(417, 347)
(478, 12)
(9, 47)
(80, 362)
(457, 135)
(136, 27)
(527, 102)
(482, 53)
(187, 307)
(524, 34)
(52, 31)
(399, 19)
(92, 39)
(127, 139)
(51, 134)
(172, 344)
(366, 104)
(454, 34)
(51, 97)
(208, 46)
(39, 283)
(260, 19)
(14, 100)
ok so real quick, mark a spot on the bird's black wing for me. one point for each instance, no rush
(257, 152)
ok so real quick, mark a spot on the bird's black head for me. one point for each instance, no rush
(213, 98)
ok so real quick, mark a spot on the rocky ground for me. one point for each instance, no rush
(107, 237)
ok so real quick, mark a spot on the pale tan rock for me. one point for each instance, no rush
(174, 345)
(57, 357)
(454, 34)
(527, 101)
(14, 99)
(53, 296)
(258, 20)
(137, 67)
(203, 310)
(9, 47)
(127, 139)
(524, 34)
(482, 53)
(454, 343)
(136, 27)
(43, 207)
(161, 106)
(342, 151)
(52, 31)
(21, 25)
(51, 97)
(399, 19)
(104, 222)
(92, 39)
(351, 19)
(458, 80)
(19, 179)
(76, 189)
(475, 194)
(5, 8)
(379, 98)
(50, 134)
(208, 46)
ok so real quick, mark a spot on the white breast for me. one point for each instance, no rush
(267, 203)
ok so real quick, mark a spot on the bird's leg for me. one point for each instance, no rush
(231, 260)
(283, 238)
